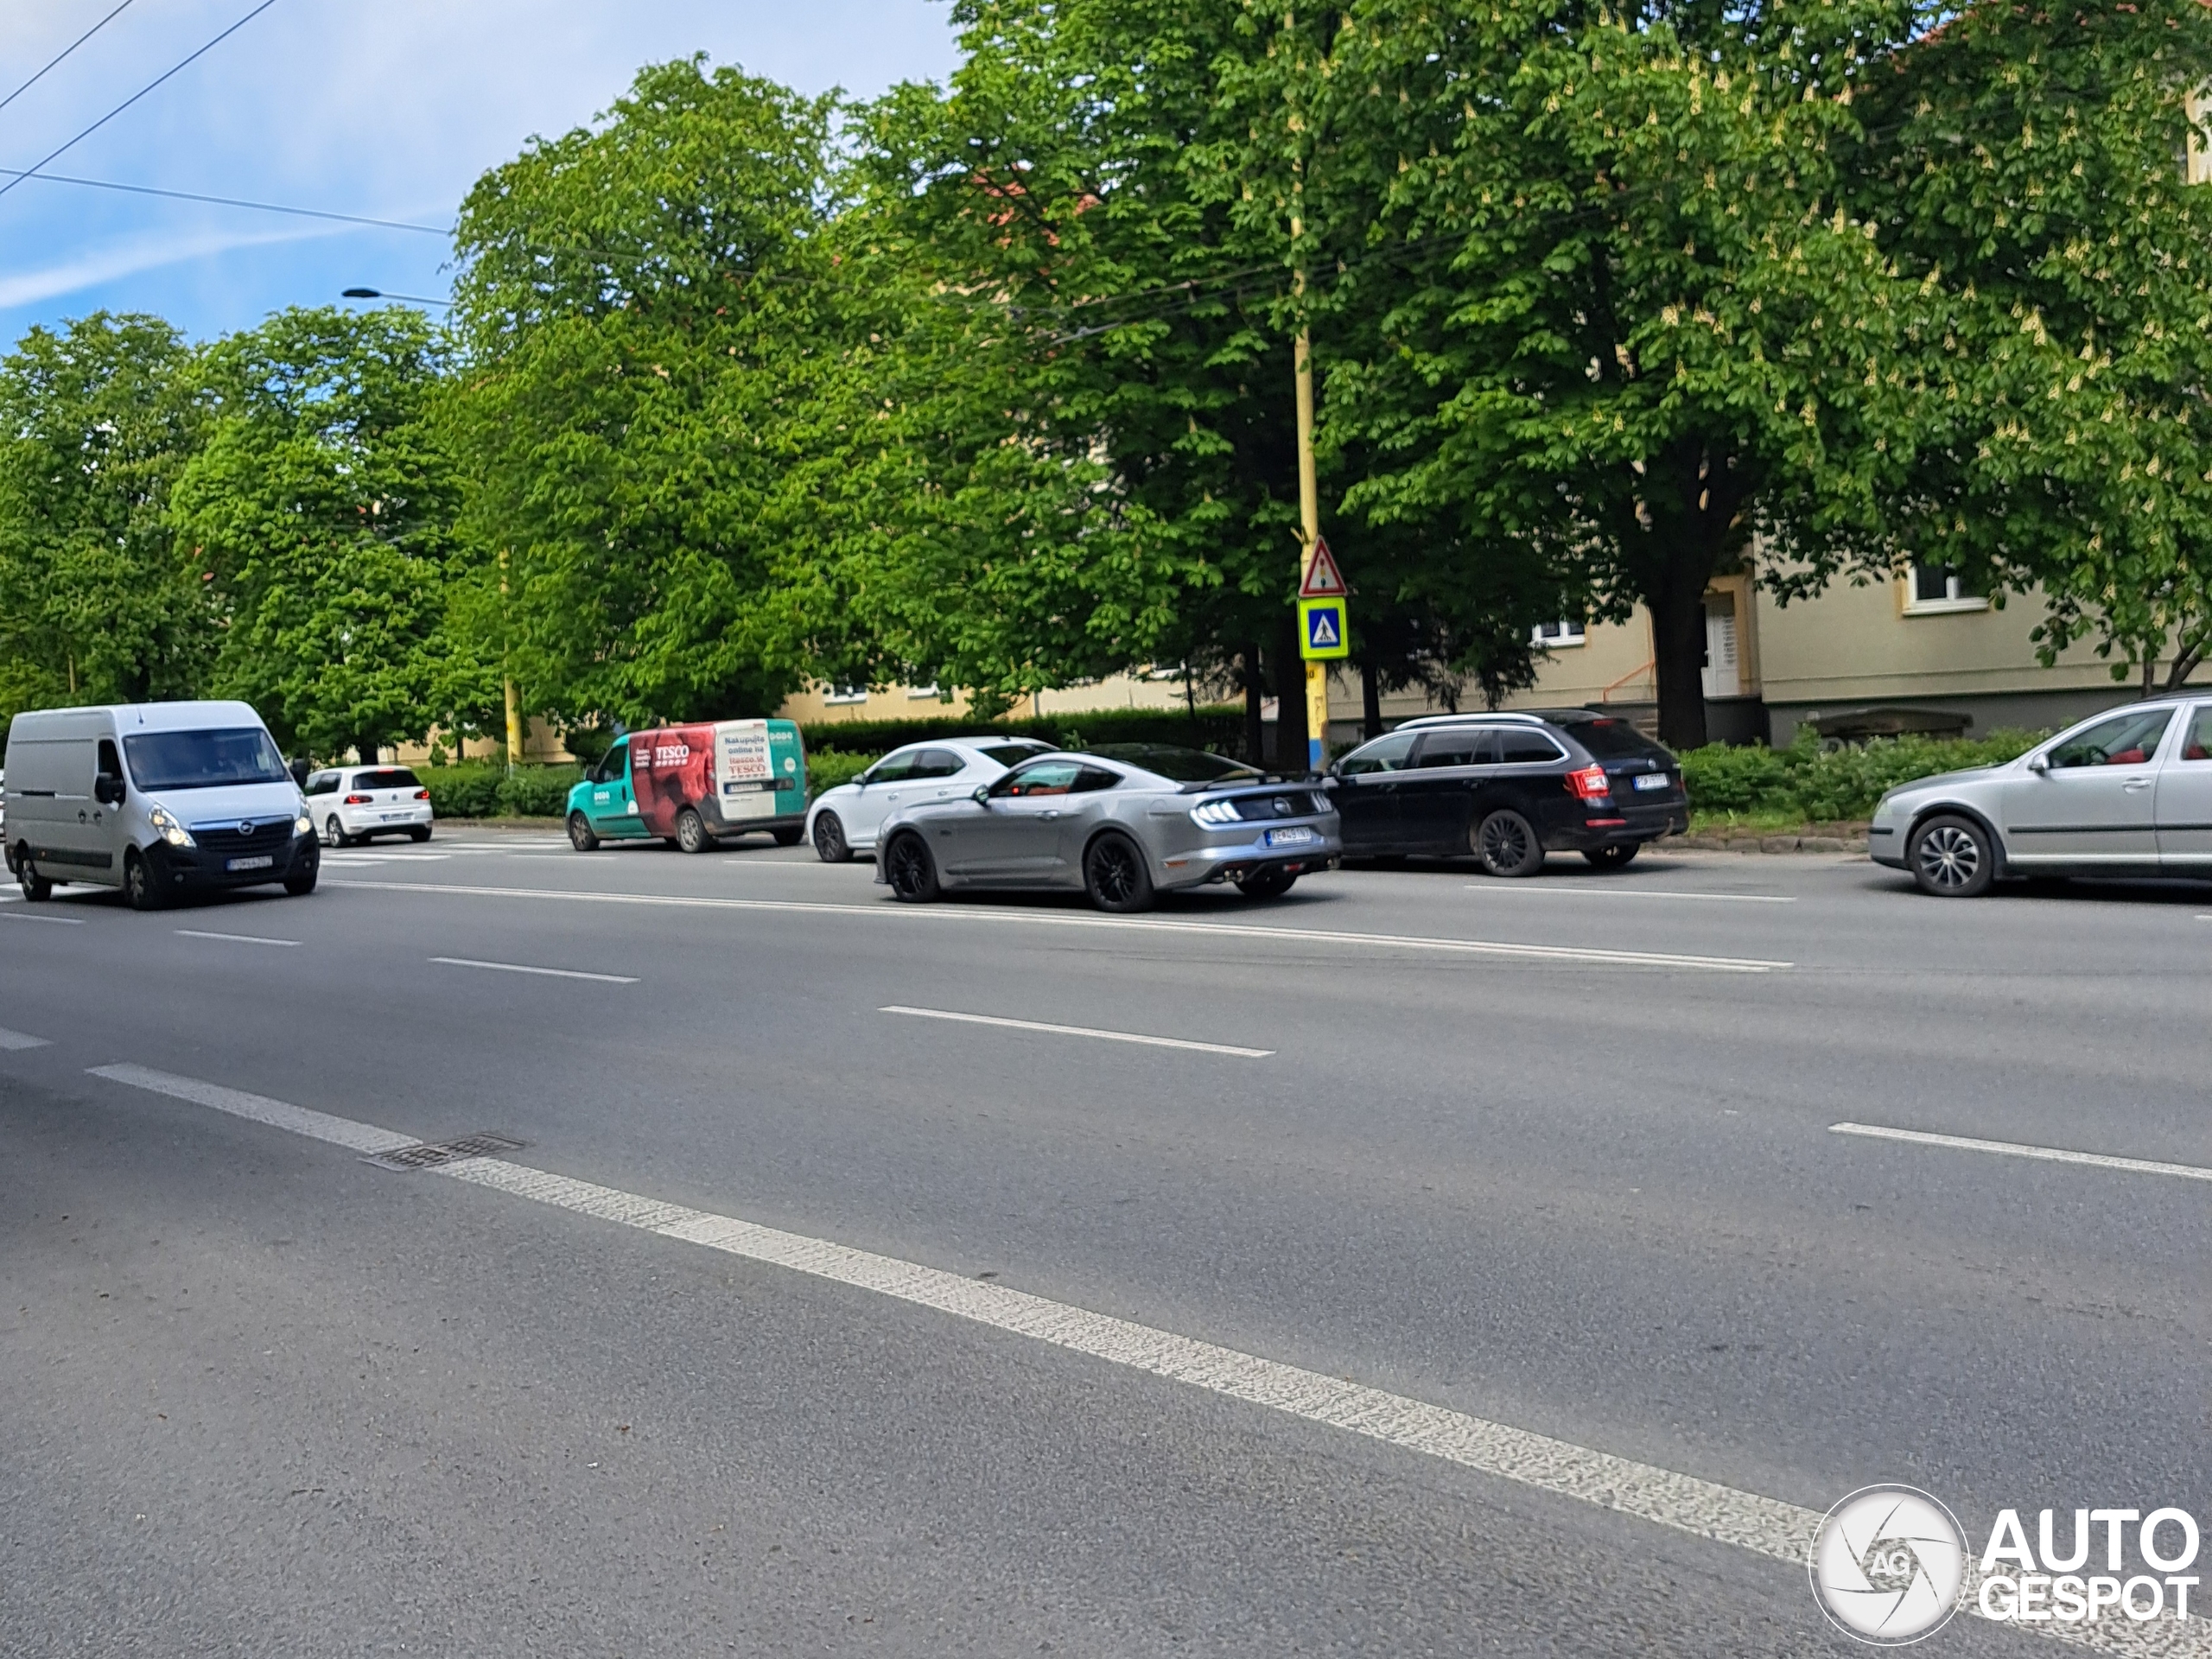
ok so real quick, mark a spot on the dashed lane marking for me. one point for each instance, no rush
(1589, 954)
(522, 968)
(235, 938)
(2018, 1149)
(1080, 1031)
(16, 1039)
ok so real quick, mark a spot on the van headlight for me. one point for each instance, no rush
(303, 825)
(1214, 813)
(165, 825)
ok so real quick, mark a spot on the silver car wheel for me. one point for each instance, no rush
(1951, 859)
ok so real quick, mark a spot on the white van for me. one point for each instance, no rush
(157, 798)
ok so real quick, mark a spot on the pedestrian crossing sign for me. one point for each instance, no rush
(1322, 630)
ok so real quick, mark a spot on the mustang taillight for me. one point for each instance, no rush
(1590, 783)
(359, 800)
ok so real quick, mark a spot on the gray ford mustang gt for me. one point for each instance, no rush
(1123, 822)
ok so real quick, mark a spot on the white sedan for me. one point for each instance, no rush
(843, 821)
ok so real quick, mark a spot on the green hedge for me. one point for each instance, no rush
(827, 768)
(1218, 726)
(487, 790)
(1830, 786)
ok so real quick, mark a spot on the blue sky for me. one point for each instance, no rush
(384, 108)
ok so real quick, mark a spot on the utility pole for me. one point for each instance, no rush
(1309, 516)
(514, 698)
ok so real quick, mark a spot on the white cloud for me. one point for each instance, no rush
(91, 268)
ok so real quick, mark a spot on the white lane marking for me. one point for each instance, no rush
(1081, 1031)
(1683, 1502)
(550, 973)
(13, 1039)
(2018, 1149)
(278, 1114)
(1703, 1509)
(58, 921)
(235, 938)
(1519, 887)
(1048, 919)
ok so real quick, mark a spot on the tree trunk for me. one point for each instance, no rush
(1678, 650)
(1256, 732)
(1370, 702)
(1290, 699)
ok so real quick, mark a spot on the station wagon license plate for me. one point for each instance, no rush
(1652, 780)
(249, 863)
(1297, 836)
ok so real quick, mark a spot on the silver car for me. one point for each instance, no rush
(1123, 822)
(2127, 793)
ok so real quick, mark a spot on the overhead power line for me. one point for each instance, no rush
(20, 173)
(135, 97)
(64, 51)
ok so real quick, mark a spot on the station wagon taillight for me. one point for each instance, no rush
(1590, 783)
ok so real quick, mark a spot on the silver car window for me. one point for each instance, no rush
(2197, 744)
(2126, 740)
(1039, 777)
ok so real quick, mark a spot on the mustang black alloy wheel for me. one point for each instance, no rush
(910, 869)
(1115, 876)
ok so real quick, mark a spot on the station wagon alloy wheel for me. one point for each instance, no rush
(1951, 858)
(1506, 843)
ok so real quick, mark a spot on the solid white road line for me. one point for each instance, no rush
(1081, 1031)
(1703, 1509)
(550, 973)
(235, 938)
(278, 1114)
(58, 921)
(1061, 918)
(12, 1040)
(2016, 1149)
(1519, 887)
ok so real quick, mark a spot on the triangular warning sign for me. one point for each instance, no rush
(1323, 579)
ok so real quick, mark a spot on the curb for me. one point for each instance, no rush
(1831, 844)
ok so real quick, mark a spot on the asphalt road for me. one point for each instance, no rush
(1556, 1157)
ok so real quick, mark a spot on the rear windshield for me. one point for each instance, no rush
(1184, 766)
(243, 754)
(1614, 740)
(1012, 754)
(394, 778)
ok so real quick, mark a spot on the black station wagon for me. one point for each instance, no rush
(1509, 789)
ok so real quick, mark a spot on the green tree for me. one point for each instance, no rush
(1604, 303)
(2027, 169)
(95, 424)
(319, 520)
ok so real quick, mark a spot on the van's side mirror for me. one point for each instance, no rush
(108, 790)
(2038, 763)
(982, 795)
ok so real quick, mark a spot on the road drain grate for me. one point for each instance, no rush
(428, 1154)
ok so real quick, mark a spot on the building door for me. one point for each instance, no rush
(1723, 674)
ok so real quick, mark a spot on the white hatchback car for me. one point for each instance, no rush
(354, 804)
(843, 821)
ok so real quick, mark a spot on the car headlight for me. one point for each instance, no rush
(1214, 812)
(165, 825)
(303, 825)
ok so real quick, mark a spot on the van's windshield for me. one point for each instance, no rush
(243, 754)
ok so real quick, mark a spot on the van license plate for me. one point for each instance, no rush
(249, 863)
(1652, 780)
(1298, 836)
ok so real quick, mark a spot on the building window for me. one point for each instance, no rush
(845, 694)
(1555, 633)
(1931, 588)
(918, 692)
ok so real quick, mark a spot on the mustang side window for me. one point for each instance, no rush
(2126, 740)
(1043, 778)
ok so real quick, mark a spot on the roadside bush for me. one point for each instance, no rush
(1815, 784)
(462, 792)
(485, 789)
(537, 791)
(1219, 726)
(827, 768)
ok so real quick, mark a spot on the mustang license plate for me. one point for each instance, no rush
(1297, 836)
(1652, 780)
(249, 863)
